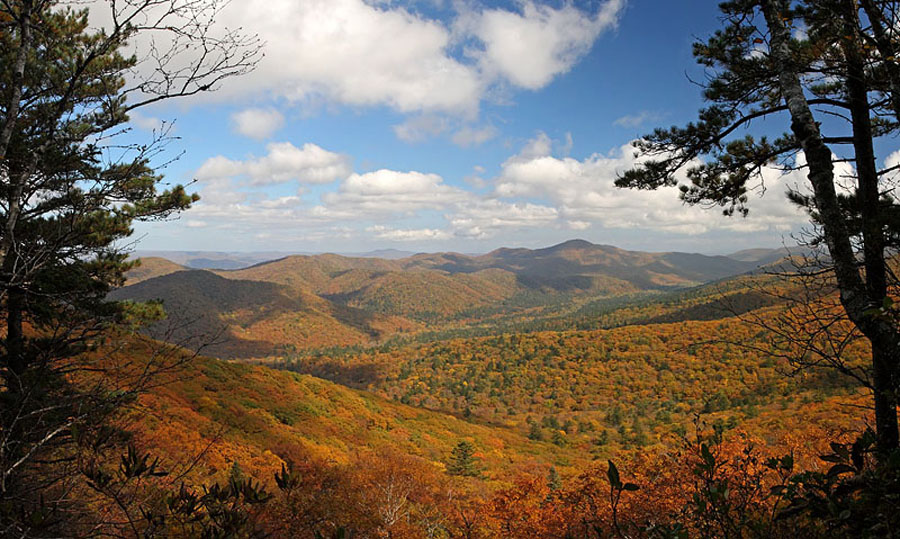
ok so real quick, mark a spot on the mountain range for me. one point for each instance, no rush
(310, 301)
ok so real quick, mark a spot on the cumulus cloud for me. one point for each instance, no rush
(284, 162)
(531, 47)
(484, 218)
(257, 124)
(535, 189)
(583, 192)
(368, 53)
(388, 192)
(416, 234)
(148, 123)
(352, 52)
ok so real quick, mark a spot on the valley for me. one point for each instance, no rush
(306, 302)
(547, 362)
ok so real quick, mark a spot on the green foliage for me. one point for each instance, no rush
(463, 460)
(858, 496)
(558, 438)
(649, 380)
(761, 69)
(72, 185)
(554, 481)
(152, 508)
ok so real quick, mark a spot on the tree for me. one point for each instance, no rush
(554, 482)
(463, 461)
(73, 183)
(828, 71)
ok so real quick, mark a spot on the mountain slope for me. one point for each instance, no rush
(264, 417)
(150, 267)
(243, 319)
(450, 283)
(300, 302)
(629, 386)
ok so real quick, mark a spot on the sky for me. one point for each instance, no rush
(447, 125)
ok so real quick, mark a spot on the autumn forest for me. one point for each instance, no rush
(572, 390)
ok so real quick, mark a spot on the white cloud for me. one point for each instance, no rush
(220, 192)
(578, 225)
(419, 128)
(387, 192)
(284, 162)
(287, 202)
(530, 48)
(541, 145)
(892, 160)
(583, 192)
(379, 53)
(484, 218)
(474, 136)
(418, 234)
(536, 190)
(637, 120)
(351, 52)
(257, 124)
(148, 123)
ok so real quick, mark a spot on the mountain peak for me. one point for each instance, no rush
(572, 244)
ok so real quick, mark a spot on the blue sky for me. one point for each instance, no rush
(447, 125)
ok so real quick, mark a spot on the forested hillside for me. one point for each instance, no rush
(268, 387)
(306, 302)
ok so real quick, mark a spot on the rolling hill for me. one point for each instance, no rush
(299, 302)
(151, 267)
(243, 319)
(268, 416)
(589, 353)
(456, 282)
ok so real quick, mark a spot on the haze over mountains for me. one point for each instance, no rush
(225, 260)
(308, 301)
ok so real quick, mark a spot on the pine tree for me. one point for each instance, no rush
(559, 438)
(70, 190)
(554, 482)
(835, 88)
(463, 461)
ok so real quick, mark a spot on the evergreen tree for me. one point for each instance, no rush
(835, 88)
(463, 460)
(559, 438)
(554, 482)
(70, 189)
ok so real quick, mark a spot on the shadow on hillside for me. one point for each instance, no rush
(359, 375)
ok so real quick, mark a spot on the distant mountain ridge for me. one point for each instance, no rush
(302, 301)
(570, 266)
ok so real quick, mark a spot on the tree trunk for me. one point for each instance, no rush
(15, 337)
(14, 362)
(884, 363)
(854, 293)
(885, 49)
(18, 79)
